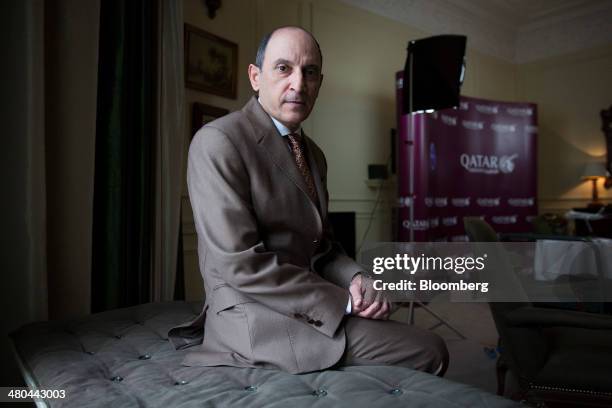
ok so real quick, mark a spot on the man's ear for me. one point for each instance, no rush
(254, 73)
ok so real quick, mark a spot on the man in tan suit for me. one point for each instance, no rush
(280, 292)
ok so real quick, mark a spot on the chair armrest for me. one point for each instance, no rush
(530, 316)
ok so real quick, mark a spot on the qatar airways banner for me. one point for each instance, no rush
(479, 159)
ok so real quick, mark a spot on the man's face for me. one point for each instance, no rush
(290, 77)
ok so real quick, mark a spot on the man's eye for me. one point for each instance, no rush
(312, 72)
(282, 68)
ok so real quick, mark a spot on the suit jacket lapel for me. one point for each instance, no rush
(267, 136)
(316, 175)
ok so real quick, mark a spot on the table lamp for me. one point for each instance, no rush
(594, 171)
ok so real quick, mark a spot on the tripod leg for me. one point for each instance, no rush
(442, 321)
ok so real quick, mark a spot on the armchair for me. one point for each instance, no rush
(561, 358)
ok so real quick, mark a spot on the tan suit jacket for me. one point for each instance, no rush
(275, 280)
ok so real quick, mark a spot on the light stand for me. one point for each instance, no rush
(441, 56)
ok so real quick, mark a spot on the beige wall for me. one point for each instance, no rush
(570, 91)
(356, 107)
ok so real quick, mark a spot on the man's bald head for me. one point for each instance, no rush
(263, 44)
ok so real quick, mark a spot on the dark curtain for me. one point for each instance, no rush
(123, 200)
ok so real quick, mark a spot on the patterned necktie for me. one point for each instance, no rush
(295, 142)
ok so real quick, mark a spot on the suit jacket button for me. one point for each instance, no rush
(318, 323)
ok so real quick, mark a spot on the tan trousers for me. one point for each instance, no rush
(387, 342)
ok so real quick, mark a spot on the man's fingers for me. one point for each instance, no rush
(370, 310)
(356, 296)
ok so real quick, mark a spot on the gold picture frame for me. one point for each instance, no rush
(210, 63)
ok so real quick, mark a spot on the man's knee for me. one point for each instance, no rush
(437, 356)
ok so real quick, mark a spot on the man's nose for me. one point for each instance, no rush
(297, 80)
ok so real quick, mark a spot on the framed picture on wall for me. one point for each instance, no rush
(210, 63)
(202, 114)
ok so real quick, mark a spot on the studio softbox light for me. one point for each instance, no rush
(433, 73)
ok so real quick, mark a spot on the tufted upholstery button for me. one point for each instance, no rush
(117, 378)
(311, 321)
(396, 391)
(318, 323)
(181, 382)
(91, 353)
(250, 388)
(297, 315)
(145, 357)
(118, 336)
(319, 393)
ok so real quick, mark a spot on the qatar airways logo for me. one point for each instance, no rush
(504, 219)
(461, 202)
(502, 127)
(417, 225)
(488, 202)
(487, 164)
(520, 111)
(449, 120)
(459, 238)
(521, 202)
(472, 125)
(488, 109)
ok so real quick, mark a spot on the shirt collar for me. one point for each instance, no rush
(282, 129)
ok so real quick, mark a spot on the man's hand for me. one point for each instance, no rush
(367, 302)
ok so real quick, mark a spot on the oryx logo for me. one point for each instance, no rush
(405, 201)
(449, 120)
(520, 111)
(481, 163)
(441, 201)
(506, 163)
(489, 109)
(502, 127)
(449, 221)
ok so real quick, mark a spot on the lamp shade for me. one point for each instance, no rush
(594, 170)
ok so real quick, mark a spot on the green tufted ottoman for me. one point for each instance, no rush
(122, 358)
